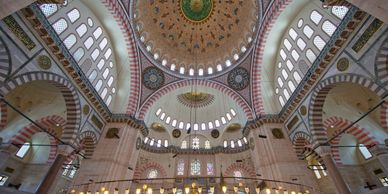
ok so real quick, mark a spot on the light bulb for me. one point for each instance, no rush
(293, 192)
(138, 191)
(268, 191)
(81, 192)
(174, 190)
(224, 188)
(145, 187)
(106, 192)
(149, 190)
(199, 190)
(212, 189)
(72, 191)
(103, 189)
(235, 189)
(247, 189)
(257, 190)
(187, 190)
(127, 191)
(161, 190)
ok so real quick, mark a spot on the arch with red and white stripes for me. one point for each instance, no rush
(384, 116)
(300, 141)
(3, 116)
(319, 94)
(361, 134)
(123, 22)
(271, 16)
(70, 95)
(206, 83)
(142, 170)
(86, 141)
(247, 171)
(49, 123)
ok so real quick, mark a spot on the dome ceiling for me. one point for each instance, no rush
(195, 37)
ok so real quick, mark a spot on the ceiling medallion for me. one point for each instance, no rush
(196, 11)
(44, 62)
(215, 133)
(176, 133)
(153, 78)
(195, 99)
(238, 79)
(343, 64)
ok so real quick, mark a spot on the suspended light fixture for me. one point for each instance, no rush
(199, 190)
(149, 190)
(127, 191)
(235, 189)
(212, 189)
(161, 190)
(174, 190)
(224, 188)
(138, 191)
(187, 190)
(268, 191)
(247, 189)
(257, 189)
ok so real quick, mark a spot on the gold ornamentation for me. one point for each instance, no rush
(343, 64)
(195, 99)
(44, 62)
(18, 31)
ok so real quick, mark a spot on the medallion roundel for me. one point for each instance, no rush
(215, 133)
(238, 79)
(153, 78)
(176, 133)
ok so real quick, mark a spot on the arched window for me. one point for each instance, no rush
(232, 144)
(239, 143)
(73, 15)
(166, 143)
(78, 54)
(81, 30)
(89, 43)
(316, 17)
(60, 26)
(195, 143)
(319, 42)
(207, 144)
(159, 144)
(70, 41)
(237, 174)
(225, 144)
(23, 150)
(152, 174)
(210, 168)
(181, 167)
(93, 76)
(184, 144)
(328, 27)
(339, 11)
(364, 151)
(48, 9)
(195, 127)
(195, 167)
(98, 85)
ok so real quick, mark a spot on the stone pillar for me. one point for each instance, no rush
(335, 174)
(51, 175)
(381, 153)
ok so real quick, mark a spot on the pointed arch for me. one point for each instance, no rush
(207, 83)
(5, 61)
(140, 171)
(361, 134)
(319, 95)
(49, 123)
(87, 141)
(73, 107)
(247, 171)
(381, 66)
(300, 141)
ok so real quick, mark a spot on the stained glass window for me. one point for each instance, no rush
(152, 174)
(195, 167)
(207, 144)
(195, 143)
(184, 144)
(181, 167)
(210, 168)
(237, 174)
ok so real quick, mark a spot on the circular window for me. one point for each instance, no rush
(90, 22)
(300, 23)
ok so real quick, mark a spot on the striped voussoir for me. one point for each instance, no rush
(123, 21)
(49, 123)
(384, 116)
(5, 62)
(207, 83)
(318, 97)
(142, 170)
(361, 134)
(270, 18)
(73, 107)
(3, 116)
(246, 170)
(382, 64)
(86, 141)
(300, 141)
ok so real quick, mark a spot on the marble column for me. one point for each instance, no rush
(335, 174)
(51, 175)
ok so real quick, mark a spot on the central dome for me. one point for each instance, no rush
(195, 37)
(196, 10)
